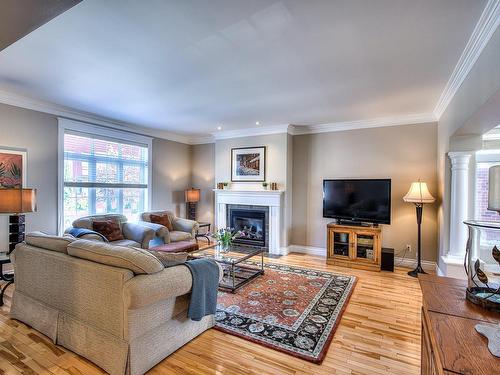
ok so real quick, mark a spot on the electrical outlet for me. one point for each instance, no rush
(408, 248)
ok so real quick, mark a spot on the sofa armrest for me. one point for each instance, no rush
(144, 290)
(160, 231)
(185, 225)
(138, 233)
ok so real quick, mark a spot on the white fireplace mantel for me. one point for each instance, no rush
(267, 198)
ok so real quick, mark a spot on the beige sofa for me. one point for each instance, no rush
(184, 229)
(134, 234)
(122, 310)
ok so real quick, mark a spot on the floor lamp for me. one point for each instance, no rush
(419, 195)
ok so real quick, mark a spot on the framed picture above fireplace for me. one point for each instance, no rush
(248, 164)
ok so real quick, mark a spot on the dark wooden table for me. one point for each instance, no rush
(206, 233)
(450, 343)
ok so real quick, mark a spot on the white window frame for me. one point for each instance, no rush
(100, 131)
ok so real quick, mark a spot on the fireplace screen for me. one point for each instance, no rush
(250, 222)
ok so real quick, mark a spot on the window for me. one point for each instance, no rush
(102, 175)
(484, 160)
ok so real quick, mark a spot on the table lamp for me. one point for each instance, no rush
(192, 197)
(16, 202)
(419, 195)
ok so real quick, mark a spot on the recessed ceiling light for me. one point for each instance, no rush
(219, 127)
(257, 123)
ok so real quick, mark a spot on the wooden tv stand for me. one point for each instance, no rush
(354, 246)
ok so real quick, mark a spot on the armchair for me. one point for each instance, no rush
(183, 229)
(135, 235)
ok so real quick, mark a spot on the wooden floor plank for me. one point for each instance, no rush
(379, 334)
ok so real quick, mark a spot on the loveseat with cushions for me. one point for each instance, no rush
(117, 306)
(180, 229)
(133, 234)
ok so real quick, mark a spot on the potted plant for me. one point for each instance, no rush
(226, 236)
(225, 185)
(264, 185)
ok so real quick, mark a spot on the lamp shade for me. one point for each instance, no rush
(418, 193)
(192, 195)
(17, 201)
(494, 188)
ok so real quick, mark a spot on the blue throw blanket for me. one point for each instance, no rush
(78, 232)
(205, 274)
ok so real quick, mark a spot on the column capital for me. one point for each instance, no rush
(459, 160)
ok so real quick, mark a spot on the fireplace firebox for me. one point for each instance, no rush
(251, 220)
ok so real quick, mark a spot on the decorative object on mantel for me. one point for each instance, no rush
(248, 164)
(226, 236)
(492, 333)
(419, 195)
(265, 185)
(290, 309)
(274, 186)
(192, 197)
(225, 185)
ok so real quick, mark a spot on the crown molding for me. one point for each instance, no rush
(72, 114)
(201, 140)
(481, 35)
(320, 128)
(364, 124)
(252, 132)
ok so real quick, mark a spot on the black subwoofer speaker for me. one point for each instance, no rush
(387, 259)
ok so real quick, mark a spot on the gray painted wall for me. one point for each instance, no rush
(171, 175)
(402, 153)
(203, 177)
(36, 132)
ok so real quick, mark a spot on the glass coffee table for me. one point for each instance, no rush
(237, 272)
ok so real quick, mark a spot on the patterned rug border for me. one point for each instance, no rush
(319, 359)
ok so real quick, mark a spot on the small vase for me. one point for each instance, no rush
(224, 247)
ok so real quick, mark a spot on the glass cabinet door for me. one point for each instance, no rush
(365, 246)
(341, 243)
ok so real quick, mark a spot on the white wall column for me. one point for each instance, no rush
(459, 212)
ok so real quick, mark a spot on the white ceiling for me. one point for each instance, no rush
(190, 66)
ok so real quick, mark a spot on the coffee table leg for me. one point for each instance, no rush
(234, 278)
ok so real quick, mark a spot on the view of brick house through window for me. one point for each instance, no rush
(482, 213)
(103, 176)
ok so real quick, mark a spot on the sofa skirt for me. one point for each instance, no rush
(114, 355)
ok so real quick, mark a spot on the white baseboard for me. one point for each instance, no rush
(412, 263)
(318, 251)
(399, 262)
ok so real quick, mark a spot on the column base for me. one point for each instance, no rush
(453, 266)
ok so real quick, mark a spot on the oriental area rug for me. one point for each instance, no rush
(294, 310)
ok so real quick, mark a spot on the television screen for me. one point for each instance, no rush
(358, 200)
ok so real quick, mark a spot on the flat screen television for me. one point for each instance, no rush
(360, 200)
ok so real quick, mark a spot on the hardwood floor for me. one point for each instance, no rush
(379, 334)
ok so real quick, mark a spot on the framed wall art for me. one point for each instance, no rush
(12, 168)
(248, 164)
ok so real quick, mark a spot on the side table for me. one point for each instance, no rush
(9, 278)
(204, 234)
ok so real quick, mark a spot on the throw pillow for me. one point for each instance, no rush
(162, 220)
(169, 259)
(109, 229)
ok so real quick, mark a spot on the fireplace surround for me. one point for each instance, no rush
(272, 200)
